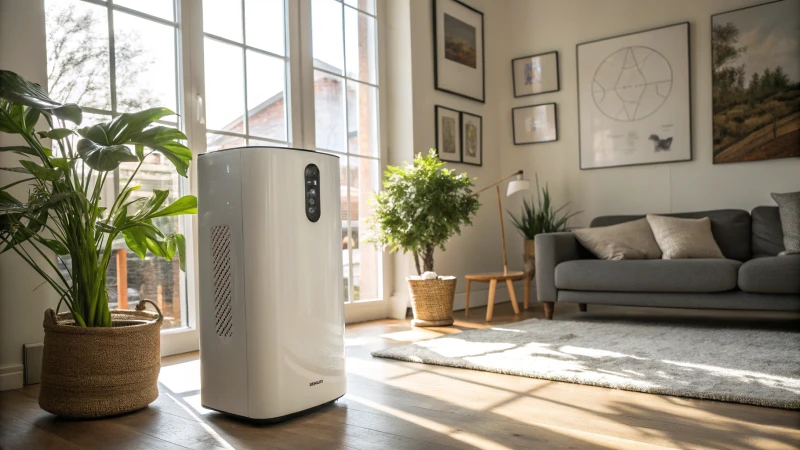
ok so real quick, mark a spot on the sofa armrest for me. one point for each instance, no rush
(551, 250)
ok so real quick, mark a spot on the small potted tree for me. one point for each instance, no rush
(420, 208)
(535, 218)
(97, 362)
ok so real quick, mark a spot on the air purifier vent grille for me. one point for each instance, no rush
(223, 280)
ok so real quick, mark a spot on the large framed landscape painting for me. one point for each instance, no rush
(634, 98)
(458, 49)
(756, 82)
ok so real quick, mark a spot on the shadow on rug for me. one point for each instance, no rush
(759, 367)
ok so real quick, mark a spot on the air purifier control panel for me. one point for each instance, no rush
(312, 206)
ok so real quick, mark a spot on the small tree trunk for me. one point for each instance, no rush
(416, 262)
(427, 263)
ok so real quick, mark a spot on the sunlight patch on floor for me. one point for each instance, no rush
(460, 435)
(211, 432)
(180, 378)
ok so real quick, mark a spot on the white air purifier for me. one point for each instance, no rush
(271, 292)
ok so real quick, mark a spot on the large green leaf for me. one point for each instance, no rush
(164, 140)
(184, 205)
(58, 133)
(40, 172)
(120, 130)
(31, 117)
(8, 200)
(20, 149)
(17, 90)
(104, 157)
(153, 203)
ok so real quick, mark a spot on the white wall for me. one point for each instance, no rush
(22, 50)
(538, 26)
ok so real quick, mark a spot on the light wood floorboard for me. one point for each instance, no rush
(399, 405)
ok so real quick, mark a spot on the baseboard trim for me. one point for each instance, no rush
(12, 377)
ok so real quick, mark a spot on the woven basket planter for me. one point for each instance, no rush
(432, 301)
(103, 371)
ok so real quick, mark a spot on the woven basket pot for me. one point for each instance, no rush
(432, 301)
(529, 258)
(100, 371)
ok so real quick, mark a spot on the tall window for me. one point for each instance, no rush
(113, 57)
(344, 39)
(245, 73)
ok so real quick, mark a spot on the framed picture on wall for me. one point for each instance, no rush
(534, 124)
(448, 135)
(458, 50)
(535, 74)
(634, 98)
(755, 84)
(471, 139)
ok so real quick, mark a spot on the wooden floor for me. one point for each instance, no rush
(397, 405)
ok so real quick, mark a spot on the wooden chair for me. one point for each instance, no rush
(493, 278)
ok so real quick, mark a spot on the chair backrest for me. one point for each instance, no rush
(767, 231)
(730, 227)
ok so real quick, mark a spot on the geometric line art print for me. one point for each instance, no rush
(632, 83)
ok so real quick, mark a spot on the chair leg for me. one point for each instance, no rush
(490, 304)
(513, 295)
(548, 310)
(582, 307)
(466, 300)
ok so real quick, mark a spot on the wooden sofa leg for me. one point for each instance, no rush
(582, 306)
(548, 310)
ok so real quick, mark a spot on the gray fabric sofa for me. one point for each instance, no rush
(751, 277)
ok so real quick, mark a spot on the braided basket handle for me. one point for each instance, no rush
(50, 317)
(141, 307)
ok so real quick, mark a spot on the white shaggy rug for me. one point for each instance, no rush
(758, 367)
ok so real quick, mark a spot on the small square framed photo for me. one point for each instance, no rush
(448, 134)
(471, 139)
(535, 74)
(534, 124)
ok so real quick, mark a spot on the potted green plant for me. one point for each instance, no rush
(535, 218)
(421, 206)
(97, 362)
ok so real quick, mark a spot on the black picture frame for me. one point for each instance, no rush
(480, 144)
(436, 109)
(514, 80)
(691, 124)
(436, 54)
(714, 155)
(555, 123)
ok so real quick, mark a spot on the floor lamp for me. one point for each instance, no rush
(514, 186)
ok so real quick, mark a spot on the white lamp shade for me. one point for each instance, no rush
(517, 186)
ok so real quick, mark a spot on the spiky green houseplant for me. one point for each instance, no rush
(540, 217)
(420, 208)
(65, 213)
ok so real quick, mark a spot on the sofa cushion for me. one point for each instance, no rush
(654, 275)
(789, 209)
(767, 231)
(731, 229)
(684, 238)
(629, 240)
(771, 275)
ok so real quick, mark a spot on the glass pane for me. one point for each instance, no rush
(152, 278)
(264, 25)
(223, 18)
(329, 111)
(364, 5)
(346, 241)
(216, 142)
(359, 30)
(257, 142)
(224, 67)
(364, 182)
(265, 96)
(362, 119)
(77, 53)
(327, 39)
(164, 9)
(145, 63)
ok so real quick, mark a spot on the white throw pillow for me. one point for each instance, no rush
(628, 240)
(684, 238)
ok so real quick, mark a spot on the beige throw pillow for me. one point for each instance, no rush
(629, 240)
(684, 238)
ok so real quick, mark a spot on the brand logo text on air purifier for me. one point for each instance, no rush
(314, 383)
